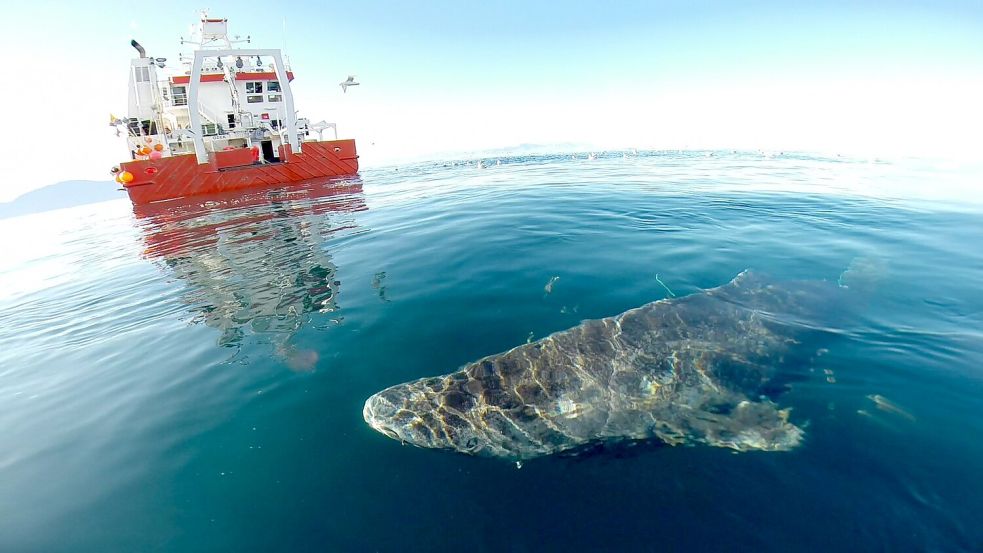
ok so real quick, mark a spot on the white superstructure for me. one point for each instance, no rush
(242, 95)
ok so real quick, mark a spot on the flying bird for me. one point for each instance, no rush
(347, 83)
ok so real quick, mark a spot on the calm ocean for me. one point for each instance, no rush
(190, 376)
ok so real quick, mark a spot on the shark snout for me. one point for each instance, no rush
(378, 413)
(405, 415)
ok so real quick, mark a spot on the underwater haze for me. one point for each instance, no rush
(190, 375)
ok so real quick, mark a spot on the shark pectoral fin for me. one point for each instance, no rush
(748, 425)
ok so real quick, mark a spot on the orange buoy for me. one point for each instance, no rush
(159, 147)
(125, 177)
(144, 151)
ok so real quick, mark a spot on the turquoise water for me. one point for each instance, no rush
(190, 376)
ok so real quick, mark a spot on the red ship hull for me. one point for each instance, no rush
(182, 175)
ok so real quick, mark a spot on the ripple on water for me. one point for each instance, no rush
(191, 374)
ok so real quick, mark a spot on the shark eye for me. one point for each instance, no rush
(472, 443)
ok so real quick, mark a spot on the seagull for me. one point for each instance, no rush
(348, 83)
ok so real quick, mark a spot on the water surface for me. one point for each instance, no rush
(189, 376)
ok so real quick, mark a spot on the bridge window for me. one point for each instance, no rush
(254, 87)
(141, 74)
(275, 98)
(273, 86)
(179, 95)
(254, 99)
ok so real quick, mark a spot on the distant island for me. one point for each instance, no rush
(61, 195)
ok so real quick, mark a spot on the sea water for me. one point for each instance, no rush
(189, 376)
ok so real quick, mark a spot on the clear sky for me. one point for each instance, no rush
(877, 78)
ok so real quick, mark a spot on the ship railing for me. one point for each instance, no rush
(212, 117)
(180, 135)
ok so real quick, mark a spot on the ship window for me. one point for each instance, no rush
(180, 95)
(232, 121)
(273, 86)
(276, 123)
(254, 99)
(254, 87)
(275, 98)
(141, 74)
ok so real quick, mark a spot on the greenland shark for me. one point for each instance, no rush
(684, 370)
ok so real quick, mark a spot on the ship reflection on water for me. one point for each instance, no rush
(256, 263)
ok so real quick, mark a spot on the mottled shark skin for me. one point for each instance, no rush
(683, 370)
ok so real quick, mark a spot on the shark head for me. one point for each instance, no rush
(426, 413)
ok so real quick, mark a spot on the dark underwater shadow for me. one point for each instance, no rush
(613, 450)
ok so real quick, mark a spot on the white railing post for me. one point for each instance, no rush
(193, 107)
(290, 118)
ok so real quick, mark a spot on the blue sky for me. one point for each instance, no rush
(445, 76)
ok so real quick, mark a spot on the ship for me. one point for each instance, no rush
(224, 121)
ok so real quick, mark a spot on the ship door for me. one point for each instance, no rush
(268, 154)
